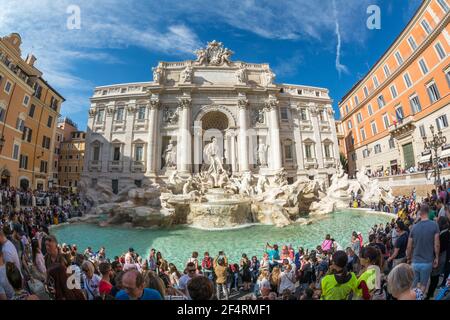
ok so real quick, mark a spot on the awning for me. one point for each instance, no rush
(425, 159)
(445, 154)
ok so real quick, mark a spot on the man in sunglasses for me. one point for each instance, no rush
(190, 273)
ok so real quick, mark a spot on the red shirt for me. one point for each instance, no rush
(104, 287)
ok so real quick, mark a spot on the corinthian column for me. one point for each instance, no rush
(271, 107)
(152, 135)
(243, 142)
(184, 138)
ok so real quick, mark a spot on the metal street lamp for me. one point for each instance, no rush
(437, 141)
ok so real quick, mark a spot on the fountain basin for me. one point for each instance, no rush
(220, 210)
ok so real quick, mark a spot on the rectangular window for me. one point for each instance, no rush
(308, 152)
(96, 152)
(37, 90)
(288, 151)
(415, 104)
(422, 131)
(8, 86)
(377, 148)
(407, 79)
(141, 113)
(366, 92)
(365, 153)
(423, 66)
(433, 92)
(354, 157)
(31, 112)
(116, 156)
(375, 81)
(426, 26)
(374, 128)
(323, 115)
(327, 151)
(15, 154)
(386, 121)
(391, 143)
(50, 121)
(412, 43)
(381, 101)
(139, 153)
(399, 58)
(356, 100)
(399, 113)
(284, 114)
(20, 125)
(363, 134)
(349, 124)
(346, 108)
(100, 116)
(26, 100)
(447, 76)
(387, 72)
(2, 114)
(369, 109)
(359, 117)
(440, 51)
(23, 162)
(43, 167)
(119, 114)
(394, 92)
(442, 122)
(444, 5)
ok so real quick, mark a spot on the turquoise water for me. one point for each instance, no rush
(177, 244)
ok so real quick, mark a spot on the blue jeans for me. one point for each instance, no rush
(422, 272)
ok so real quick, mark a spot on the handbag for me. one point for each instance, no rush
(37, 287)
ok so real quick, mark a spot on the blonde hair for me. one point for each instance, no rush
(400, 279)
(264, 275)
(154, 282)
(275, 276)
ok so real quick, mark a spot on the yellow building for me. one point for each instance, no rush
(29, 107)
(71, 157)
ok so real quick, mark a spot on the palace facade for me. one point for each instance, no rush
(146, 131)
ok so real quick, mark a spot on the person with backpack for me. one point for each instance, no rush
(338, 284)
(207, 266)
(220, 270)
(370, 280)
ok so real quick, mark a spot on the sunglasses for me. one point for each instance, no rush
(191, 270)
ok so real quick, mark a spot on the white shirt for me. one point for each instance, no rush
(10, 254)
(91, 286)
(5, 287)
(287, 281)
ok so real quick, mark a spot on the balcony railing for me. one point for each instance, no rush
(138, 166)
(95, 165)
(115, 165)
(401, 124)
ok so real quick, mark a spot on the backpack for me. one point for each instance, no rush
(207, 263)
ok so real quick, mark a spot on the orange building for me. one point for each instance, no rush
(71, 158)
(388, 112)
(29, 108)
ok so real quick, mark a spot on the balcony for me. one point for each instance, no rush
(310, 163)
(403, 127)
(141, 125)
(138, 166)
(95, 165)
(115, 166)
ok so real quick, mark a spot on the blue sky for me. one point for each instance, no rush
(119, 41)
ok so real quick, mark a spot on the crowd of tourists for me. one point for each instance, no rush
(406, 259)
(426, 167)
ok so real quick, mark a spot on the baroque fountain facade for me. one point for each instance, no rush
(215, 143)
